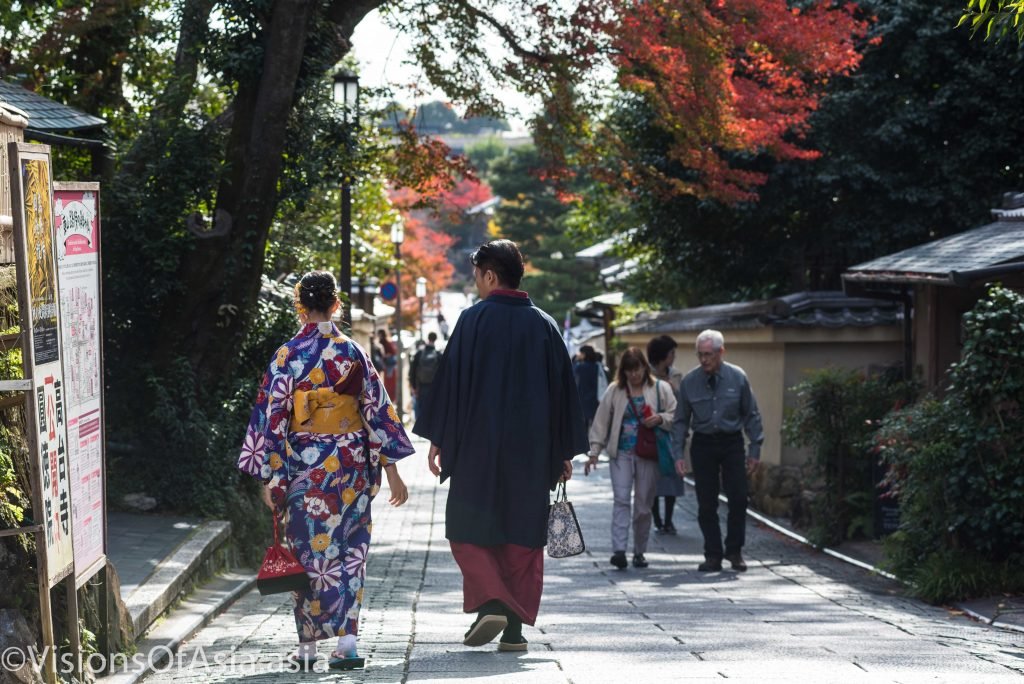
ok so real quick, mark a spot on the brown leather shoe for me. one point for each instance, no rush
(710, 564)
(737, 561)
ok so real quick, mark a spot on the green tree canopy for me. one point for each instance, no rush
(920, 143)
(533, 216)
(997, 18)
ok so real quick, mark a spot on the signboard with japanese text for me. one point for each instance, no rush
(77, 238)
(32, 204)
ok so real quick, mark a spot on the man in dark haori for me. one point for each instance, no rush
(715, 400)
(504, 423)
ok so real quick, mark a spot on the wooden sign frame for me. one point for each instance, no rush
(39, 312)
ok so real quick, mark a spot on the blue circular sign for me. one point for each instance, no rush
(388, 290)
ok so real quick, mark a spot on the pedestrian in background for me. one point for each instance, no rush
(390, 353)
(442, 325)
(422, 372)
(631, 401)
(322, 430)
(587, 371)
(504, 423)
(716, 402)
(420, 344)
(661, 354)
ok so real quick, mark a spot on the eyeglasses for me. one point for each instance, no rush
(707, 355)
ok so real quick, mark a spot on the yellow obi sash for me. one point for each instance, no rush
(325, 411)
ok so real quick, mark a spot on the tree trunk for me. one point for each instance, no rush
(220, 276)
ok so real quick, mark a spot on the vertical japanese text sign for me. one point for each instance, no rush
(76, 228)
(32, 204)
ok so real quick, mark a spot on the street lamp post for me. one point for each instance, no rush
(346, 93)
(421, 293)
(397, 237)
(369, 292)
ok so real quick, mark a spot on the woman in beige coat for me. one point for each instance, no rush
(635, 398)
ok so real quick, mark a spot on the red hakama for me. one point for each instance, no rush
(508, 573)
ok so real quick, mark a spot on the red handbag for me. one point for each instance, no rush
(646, 443)
(646, 440)
(280, 571)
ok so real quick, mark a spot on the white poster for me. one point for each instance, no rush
(77, 237)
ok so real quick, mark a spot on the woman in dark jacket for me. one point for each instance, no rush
(586, 370)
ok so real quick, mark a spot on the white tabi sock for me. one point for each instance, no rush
(347, 645)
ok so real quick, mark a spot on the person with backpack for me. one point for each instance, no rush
(422, 371)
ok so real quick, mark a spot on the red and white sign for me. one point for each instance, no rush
(77, 234)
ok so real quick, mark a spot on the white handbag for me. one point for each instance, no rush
(565, 538)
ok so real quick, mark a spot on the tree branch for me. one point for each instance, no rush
(506, 34)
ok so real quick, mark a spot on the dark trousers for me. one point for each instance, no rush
(424, 394)
(720, 458)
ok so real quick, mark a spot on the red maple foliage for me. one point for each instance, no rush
(446, 210)
(721, 77)
(733, 75)
(424, 254)
(426, 166)
(467, 193)
(431, 187)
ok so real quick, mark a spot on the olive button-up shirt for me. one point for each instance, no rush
(723, 406)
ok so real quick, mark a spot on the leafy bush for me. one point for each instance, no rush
(836, 413)
(13, 501)
(957, 465)
(199, 436)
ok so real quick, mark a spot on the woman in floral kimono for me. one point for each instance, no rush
(322, 430)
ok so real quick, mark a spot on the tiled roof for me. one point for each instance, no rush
(48, 115)
(943, 260)
(831, 309)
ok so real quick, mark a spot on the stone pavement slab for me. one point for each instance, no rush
(175, 573)
(796, 615)
(138, 542)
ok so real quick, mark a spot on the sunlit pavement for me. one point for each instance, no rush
(796, 615)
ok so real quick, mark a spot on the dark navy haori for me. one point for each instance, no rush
(506, 415)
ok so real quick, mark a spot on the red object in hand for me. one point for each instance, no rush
(280, 571)
(647, 411)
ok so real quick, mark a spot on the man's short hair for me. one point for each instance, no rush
(504, 258)
(715, 337)
(432, 337)
(659, 348)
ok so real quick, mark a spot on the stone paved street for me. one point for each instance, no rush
(796, 615)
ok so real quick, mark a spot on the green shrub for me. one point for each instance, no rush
(189, 441)
(957, 465)
(836, 412)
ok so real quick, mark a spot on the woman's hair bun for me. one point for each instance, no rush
(317, 291)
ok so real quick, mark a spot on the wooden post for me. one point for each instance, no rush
(42, 574)
(74, 633)
(104, 637)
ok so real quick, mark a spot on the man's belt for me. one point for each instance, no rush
(325, 411)
(716, 436)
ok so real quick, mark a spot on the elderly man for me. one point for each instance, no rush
(715, 400)
(504, 423)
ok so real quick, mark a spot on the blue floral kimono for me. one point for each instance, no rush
(322, 429)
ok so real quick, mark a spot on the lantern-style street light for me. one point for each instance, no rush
(346, 93)
(397, 238)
